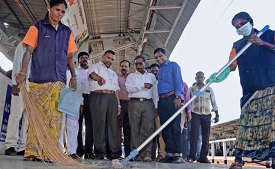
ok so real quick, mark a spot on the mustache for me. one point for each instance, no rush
(123, 70)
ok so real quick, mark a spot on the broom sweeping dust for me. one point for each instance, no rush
(46, 143)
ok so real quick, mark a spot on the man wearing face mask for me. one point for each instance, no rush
(257, 77)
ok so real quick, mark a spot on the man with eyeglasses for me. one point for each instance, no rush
(170, 87)
(141, 87)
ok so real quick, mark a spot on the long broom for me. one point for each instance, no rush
(126, 163)
(45, 140)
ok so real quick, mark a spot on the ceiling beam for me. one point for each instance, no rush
(176, 22)
(146, 20)
(116, 49)
(114, 38)
(13, 12)
(165, 7)
(157, 31)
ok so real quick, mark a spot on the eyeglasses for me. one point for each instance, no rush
(139, 63)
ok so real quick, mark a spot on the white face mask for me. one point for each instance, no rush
(245, 30)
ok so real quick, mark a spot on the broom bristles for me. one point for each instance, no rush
(45, 140)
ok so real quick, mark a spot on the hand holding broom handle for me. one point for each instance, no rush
(198, 93)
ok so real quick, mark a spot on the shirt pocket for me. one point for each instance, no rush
(207, 95)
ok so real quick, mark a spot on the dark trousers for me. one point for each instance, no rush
(89, 141)
(123, 122)
(104, 115)
(155, 145)
(204, 122)
(172, 133)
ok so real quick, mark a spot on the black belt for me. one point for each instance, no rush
(124, 101)
(140, 99)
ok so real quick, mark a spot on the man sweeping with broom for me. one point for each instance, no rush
(51, 45)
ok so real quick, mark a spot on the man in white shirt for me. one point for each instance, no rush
(105, 105)
(70, 123)
(14, 143)
(142, 90)
(70, 126)
(84, 89)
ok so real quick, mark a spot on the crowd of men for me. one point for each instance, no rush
(115, 105)
(125, 109)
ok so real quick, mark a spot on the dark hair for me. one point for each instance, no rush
(125, 61)
(159, 50)
(56, 2)
(81, 54)
(154, 65)
(199, 72)
(242, 15)
(141, 57)
(110, 51)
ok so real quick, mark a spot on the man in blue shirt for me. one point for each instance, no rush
(170, 87)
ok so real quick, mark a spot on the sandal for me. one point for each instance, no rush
(159, 157)
(46, 160)
(29, 158)
(236, 165)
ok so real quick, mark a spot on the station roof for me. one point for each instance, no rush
(132, 26)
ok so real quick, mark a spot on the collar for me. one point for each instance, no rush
(195, 85)
(142, 74)
(101, 63)
(79, 67)
(120, 74)
(167, 62)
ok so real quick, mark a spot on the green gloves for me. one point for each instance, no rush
(220, 78)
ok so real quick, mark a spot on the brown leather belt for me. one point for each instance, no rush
(104, 91)
(164, 95)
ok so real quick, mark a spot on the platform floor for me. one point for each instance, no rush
(16, 162)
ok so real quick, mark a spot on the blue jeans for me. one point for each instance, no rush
(172, 133)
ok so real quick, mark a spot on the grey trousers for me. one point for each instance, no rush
(141, 117)
(104, 108)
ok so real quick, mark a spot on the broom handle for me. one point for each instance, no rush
(198, 93)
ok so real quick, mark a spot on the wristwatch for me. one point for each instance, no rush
(177, 97)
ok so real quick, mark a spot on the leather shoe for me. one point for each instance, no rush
(10, 151)
(177, 159)
(20, 153)
(89, 156)
(203, 161)
(99, 156)
(167, 159)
